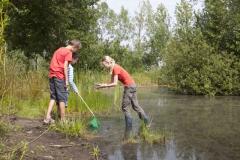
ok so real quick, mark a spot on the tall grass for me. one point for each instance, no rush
(20, 87)
(99, 101)
(32, 108)
(26, 93)
(147, 78)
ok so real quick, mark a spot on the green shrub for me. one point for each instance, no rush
(196, 68)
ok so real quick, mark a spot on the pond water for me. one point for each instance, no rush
(202, 128)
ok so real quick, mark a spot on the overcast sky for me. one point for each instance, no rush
(132, 5)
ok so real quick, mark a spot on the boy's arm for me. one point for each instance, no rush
(66, 73)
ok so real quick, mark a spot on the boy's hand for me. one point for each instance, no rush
(66, 83)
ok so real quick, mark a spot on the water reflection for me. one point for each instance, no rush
(144, 152)
(203, 129)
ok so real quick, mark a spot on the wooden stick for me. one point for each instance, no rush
(60, 146)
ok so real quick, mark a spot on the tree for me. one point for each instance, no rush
(115, 33)
(4, 84)
(114, 27)
(159, 35)
(140, 36)
(3, 22)
(194, 64)
(220, 24)
(124, 28)
(37, 26)
(185, 20)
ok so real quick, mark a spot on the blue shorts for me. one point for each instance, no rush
(58, 90)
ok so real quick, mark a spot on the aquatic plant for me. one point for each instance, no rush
(151, 137)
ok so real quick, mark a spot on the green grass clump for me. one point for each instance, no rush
(72, 128)
(17, 152)
(145, 135)
(151, 137)
(95, 152)
(131, 140)
(4, 128)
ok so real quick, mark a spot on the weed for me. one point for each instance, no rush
(72, 128)
(18, 152)
(4, 128)
(95, 153)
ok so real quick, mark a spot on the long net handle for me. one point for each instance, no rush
(86, 105)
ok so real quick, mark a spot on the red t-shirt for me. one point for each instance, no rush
(56, 68)
(123, 75)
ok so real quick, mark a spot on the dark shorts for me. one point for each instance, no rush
(58, 91)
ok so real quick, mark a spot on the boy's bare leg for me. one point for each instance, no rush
(62, 110)
(58, 111)
(50, 108)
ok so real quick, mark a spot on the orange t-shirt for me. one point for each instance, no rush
(56, 68)
(123, 75)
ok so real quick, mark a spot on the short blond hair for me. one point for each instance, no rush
(108, 59)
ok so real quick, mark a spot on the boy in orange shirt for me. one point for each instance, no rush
(58, 78)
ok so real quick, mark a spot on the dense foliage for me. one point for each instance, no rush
(203, 54)
(198, 52)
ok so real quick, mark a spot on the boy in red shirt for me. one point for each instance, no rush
(129, 95)
(58, 78)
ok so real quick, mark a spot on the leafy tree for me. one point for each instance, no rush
(37, 26)
(185, 20)
(115, 33)
(3, 22)
(159, 35)
(220, 24)
(194, 65)
(140, 35)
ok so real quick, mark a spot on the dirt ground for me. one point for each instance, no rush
(51, 145)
